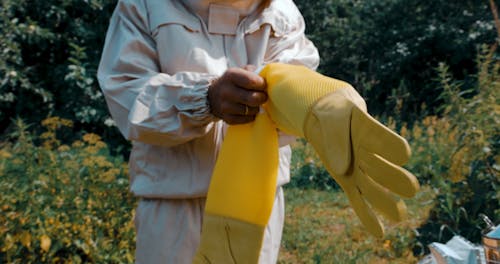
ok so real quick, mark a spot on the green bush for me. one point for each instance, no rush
(458, 154)
(386, 48)
(61, 203)
(49, 53)
(306, 169)
(389, 49)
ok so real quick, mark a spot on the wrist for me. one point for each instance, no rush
(210, 99)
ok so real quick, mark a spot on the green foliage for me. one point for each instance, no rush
(458, 154)
(75, 205)
(388, 49)
(49, 53)
(61, 203)
(306, 169)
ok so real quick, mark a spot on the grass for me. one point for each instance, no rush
(320, 227)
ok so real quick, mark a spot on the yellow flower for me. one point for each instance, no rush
(110, 175)
(452, 135)
(430, 131)
(66, 122)
(91, 138)
(100, 144)
(5, 154)
(8, 243)
(91, 149)
(97, 161)
(25, 239)
(63, 148)
(427, 121)
(459, 169)
(47, 135)
(404, 131)
(52, 123)
(77, 144)
(387, 244)
(45, 243)
(417, 132)
(391, 123)
(23, 220)
(125, 168)
(78, 201)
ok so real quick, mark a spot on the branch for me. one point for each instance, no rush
(495, 16)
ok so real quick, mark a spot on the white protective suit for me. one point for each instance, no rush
(157, 63)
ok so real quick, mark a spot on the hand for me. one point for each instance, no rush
(363, 156)
(236, 96)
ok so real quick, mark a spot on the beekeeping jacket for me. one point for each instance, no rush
(158, 61)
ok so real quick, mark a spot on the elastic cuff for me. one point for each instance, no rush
(202, 106)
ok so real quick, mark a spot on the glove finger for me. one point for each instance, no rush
(389, 175)
(380, 198)
(377, 138)
(364, 212)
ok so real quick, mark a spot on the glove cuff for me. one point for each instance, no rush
(228, 240)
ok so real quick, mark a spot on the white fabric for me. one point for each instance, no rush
(457, 250)
(168, 231)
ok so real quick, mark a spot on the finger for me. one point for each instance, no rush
(251, 110)
(246, 79)
(245, 110)
(389, 175)
(250, 67)
(364, 212)
(246, 97)
(380, 198)
(377, 138)
(231, 108)
(253, 98)
(238, 119)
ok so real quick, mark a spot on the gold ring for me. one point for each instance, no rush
(246, 109)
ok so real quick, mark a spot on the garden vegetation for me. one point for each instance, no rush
(430, 70)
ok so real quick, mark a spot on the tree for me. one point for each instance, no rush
(49, 55)
(390, 49)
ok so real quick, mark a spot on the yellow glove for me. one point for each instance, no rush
(362, 155)
(241, 194)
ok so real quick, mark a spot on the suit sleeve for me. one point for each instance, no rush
(147, 105)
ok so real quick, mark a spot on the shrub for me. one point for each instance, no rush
(63, 203)
(386, 48)
(49, 56)
(389, 49)
(306, 169)
(457, 154)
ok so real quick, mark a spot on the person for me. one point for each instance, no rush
(175, 74)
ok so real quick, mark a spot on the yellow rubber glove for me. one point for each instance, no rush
(361, 154)
(241, 194)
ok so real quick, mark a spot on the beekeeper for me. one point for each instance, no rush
(174, 74)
